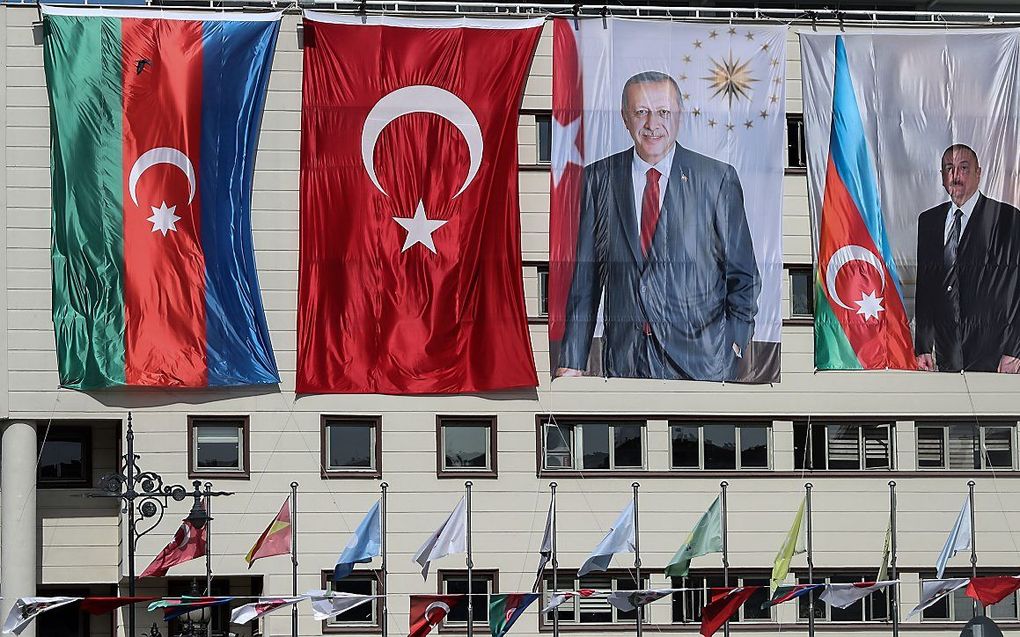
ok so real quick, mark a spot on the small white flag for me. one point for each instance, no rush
(620, 539)
(450, 537)
(958, 540)
(546, 551)
(26, 609)
(326, 604)
(933, 590)
(265, 605)
(631, 600)
(843, 595)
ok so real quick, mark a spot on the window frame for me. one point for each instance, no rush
(791, 271)
(443, 578)
(826, 611)
(736, 424)
(489, 421)
(542, 275)
(329, 627)
(568, 580)
(574, 421)
(330, 420)
(61, 433)
(859, 424)
(244, 455)
(795, 122)
(548, 119)
(946, 424)
(736, 579)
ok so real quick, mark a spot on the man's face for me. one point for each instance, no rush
(960, 175)
(652, 115)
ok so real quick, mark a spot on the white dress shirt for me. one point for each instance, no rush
(639, 170)
(968, 210)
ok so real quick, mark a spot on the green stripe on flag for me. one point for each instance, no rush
(82, 57)
(832, 348)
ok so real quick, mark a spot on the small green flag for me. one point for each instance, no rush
(883, 570)
(793, 544)
(704, 539)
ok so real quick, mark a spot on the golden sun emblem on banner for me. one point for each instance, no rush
(731, 78)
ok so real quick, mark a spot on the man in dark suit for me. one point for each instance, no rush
(967, 303)
(663, 244)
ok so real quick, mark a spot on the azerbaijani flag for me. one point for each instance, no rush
(860, 321)
(154, 119)
(504, 610)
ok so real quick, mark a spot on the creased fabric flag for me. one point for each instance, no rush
(363, 545)
(265, 605)
(410, 261)
(429, 611)
(632, 600)
(958, 540)
(620, 539)
(176, 607)
(154, 128)
(276, 539)
(26, 609)
(545, 552)
(450, 537)
(795, 543)
(504, 610)
(787, 593)
(556, 599)
(103, 605)
(843, 595)
(187, 544)
(883, 570)
(992, 590)
(705, 538)
(725, 602)
(860, 320)
(327, 604)
(933, 590)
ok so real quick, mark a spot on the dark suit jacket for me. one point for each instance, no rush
(698, 289)
(986, 279)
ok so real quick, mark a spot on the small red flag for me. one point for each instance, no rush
(724, 603)
(992, 590)
(103, 605)
(428, 611)
(188, 544)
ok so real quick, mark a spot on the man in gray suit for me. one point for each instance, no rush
(663, 244)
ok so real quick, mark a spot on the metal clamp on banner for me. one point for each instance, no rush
(576, 10)
(605, 10)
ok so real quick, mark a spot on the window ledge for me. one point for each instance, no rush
(219, 475)
(343, 474)
(758, 473)
(453, 473)
(799, 320)
(533, 168)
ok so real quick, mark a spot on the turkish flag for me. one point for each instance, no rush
(410, 261)
(725, 602)
(188, 544)
(992, 590)
(428, 611)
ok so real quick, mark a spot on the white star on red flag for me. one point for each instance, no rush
(564, 147)
(870, 305)
(163, 218)
(419, 228)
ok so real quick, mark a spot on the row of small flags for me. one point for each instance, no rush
(428, 611)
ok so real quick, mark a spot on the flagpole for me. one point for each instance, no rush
(637, 554)
(293, 556)
(978, 608)
(725, 549)
(382, 550)
(892, 559)
(810, 564)
(555, 562)
(208, 550)
(470, 566)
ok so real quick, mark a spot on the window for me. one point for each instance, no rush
(455, 583)
(592, 610)
(873, 608)
(802, 300)
(543, 135)
(467, 446)
(363, 618)
(543, 290)
(687, 605)
(796, 156)
(594, 445)
(64, 621)
(65, 457)
(351, 447)
(843, 446)
(966, 446)
(719, 446)
(957, 607)
(218, 446)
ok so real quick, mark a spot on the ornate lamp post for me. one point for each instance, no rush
(145, 498)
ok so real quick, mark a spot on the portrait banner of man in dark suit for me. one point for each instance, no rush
(664, 281)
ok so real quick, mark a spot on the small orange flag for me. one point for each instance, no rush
(276, 539)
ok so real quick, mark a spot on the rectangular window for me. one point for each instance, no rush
(218, 446)
(687, 605)
(543, 290)
(594, 446)
(65, 458)
(455, 583)
(351, 447)
(965, 447)
(873, 608)
(957, 607)
(543, 135)
(363, 618)
(592, 610)
(796, 157)
(843, 446)
(802, 298)
(467, 446)
(720, 446)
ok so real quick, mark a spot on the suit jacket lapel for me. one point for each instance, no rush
(623, 191)
(975, 236)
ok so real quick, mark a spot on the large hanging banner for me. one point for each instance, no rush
(410, 270)
(154, 121)
(913, 187)
(665, 224)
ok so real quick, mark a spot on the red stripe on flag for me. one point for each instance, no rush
(164, 267)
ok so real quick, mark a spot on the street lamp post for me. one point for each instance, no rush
(145, 499)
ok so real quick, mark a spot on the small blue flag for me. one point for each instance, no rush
(362, 547)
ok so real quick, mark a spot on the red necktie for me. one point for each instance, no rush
(649, 209)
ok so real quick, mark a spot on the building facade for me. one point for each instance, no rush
(847, 433)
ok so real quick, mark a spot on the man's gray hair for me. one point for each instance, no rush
(649, 77)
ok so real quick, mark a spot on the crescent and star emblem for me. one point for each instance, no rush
(421, 99)
(184, 532)
(163, 218)
(870, 304)
(436, 606)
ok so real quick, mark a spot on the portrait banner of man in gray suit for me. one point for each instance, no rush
(665, 282)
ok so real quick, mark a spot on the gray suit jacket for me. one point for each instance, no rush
(697, 289)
